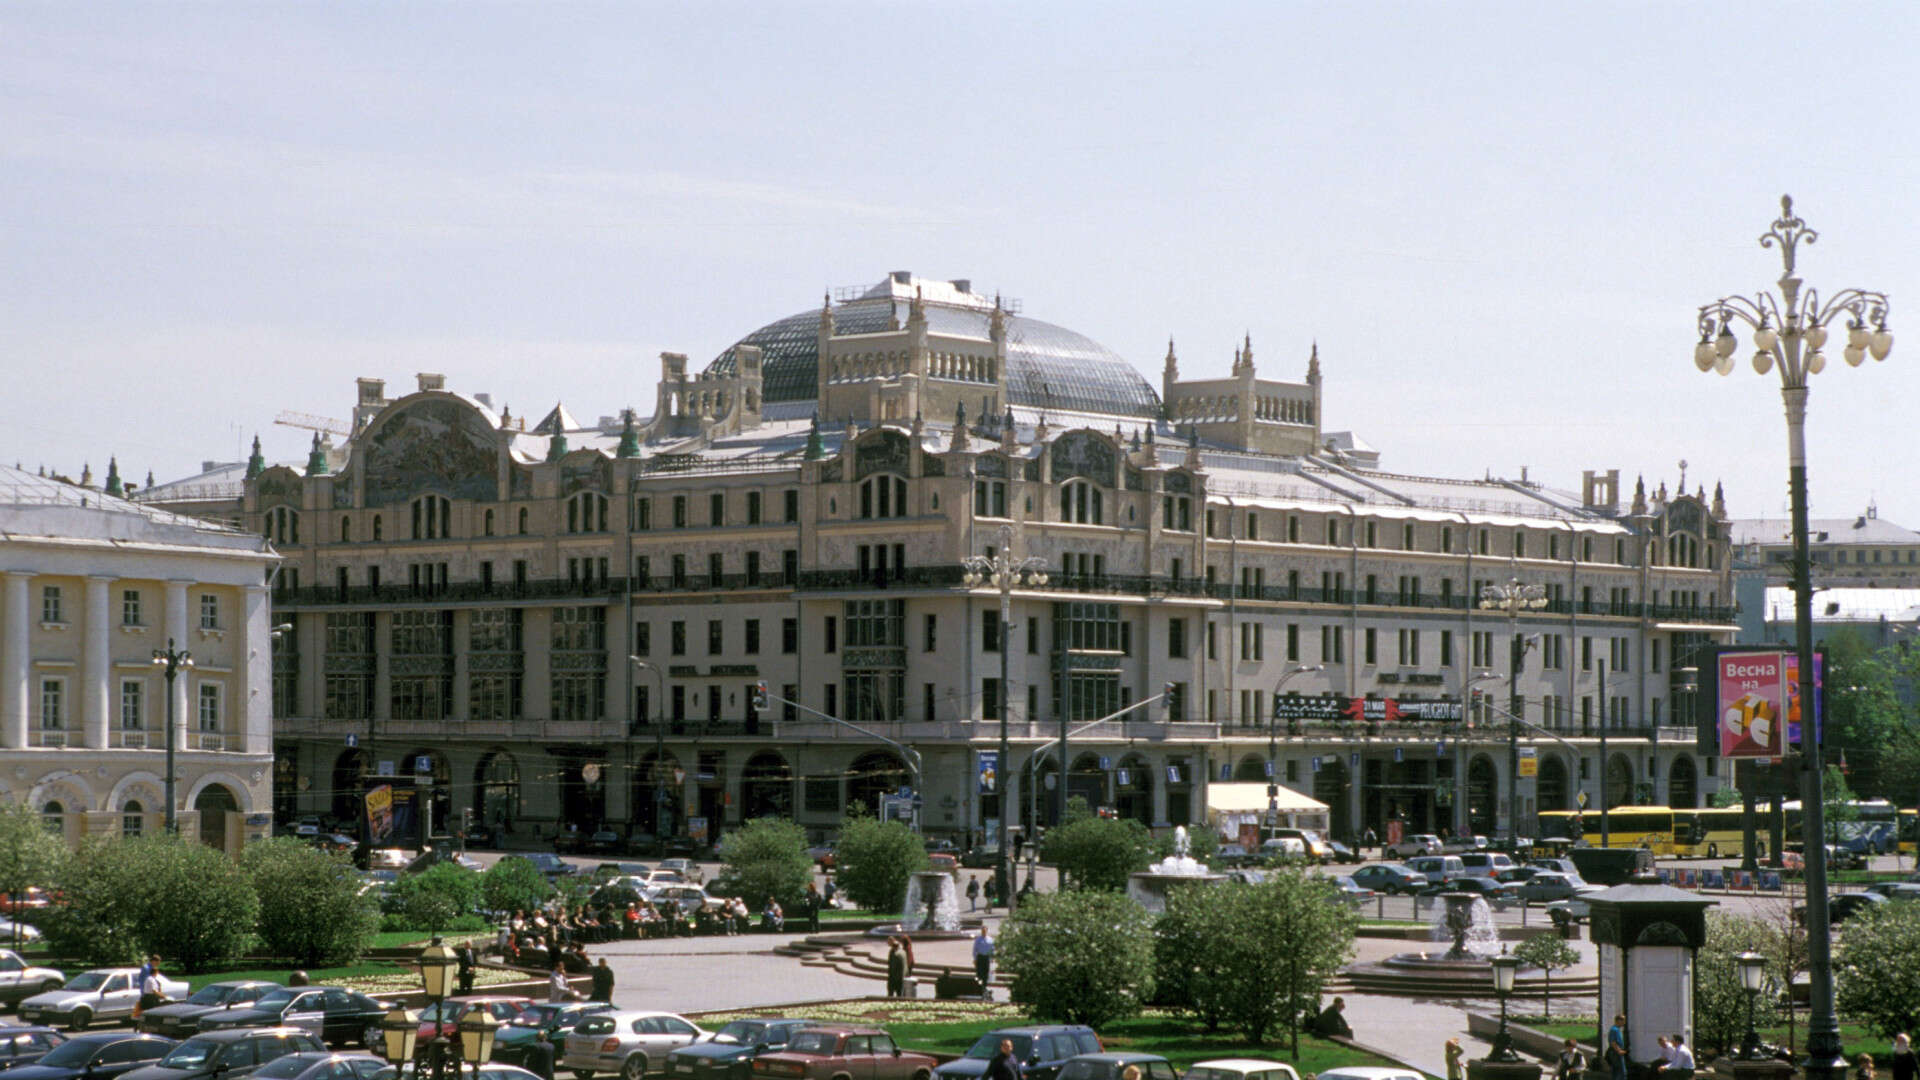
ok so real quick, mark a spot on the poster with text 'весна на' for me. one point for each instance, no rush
(1751, 703)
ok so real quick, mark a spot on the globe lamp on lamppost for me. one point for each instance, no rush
(1505, 968)
(1789, 332)
(1753, 971)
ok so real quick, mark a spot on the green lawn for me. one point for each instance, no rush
(1852, 1035)
(952, 1026)
(395, 939)
(319, 976)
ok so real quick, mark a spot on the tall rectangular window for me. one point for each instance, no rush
(990, 631)
(130, 608)
(1371, 654)
(716, 510)
(753, 508)
(53, 701)
(677, 638)
(209, 706)
(209, 611)
(1177, 639)
(789, 637)
(132, 704)
(832, 637)
(930, 627)
(790, 500)
(51, 610)
(716, 637)
(753, 637)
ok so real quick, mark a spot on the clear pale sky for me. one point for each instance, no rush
(1496, 220)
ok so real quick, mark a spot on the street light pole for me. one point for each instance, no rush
(659, 750)
(1004, 572)
(1788, 333)
(1273, 741)
(1513, 598)
(170, 660)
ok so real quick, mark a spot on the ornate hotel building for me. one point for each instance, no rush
(563, 622)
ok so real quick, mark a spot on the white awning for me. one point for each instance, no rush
(1244, 796)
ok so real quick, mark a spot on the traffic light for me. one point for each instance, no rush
(760, 696)
(1168, 700)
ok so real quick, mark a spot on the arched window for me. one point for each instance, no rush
(587, 513)
(132, 820)
(54, 815)
(883, 496)
(346, 529)
(1080, 503)
(283, 525)
(432, 517)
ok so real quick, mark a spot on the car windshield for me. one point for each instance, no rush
(213, 995)
(989, 1044)
(740, 1031)
(812, 1042)
(444, 1010)
(274, 999)
(283, 1068)
(190, 1054)
(1081, 1069)
(1206, 1072)
(70, 1053)
(535, 1016)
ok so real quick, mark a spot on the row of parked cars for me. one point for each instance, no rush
(1494, 875)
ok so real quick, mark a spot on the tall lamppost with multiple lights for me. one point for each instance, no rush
(1005, 573)
(1273, 740)
(170, 660)
(1789, 333)
(1514, 598)
(399, 1030)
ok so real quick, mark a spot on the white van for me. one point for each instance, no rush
(1438, 868)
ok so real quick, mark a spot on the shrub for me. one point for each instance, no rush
(1080, 957)
(30, 855)
(514, 884)
(1719, 1004)
(121, 898)
(431, 900)
(873, 861)
(767, 857)
(312, 910)
(1098, 853)
(1877, 967)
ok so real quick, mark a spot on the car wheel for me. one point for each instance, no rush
(1713, 851)
(922, 1074)
(81, 1018)
(634, 1068)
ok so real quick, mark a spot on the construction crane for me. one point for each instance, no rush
(324, 424)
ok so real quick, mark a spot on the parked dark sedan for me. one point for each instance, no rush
(224, 1054)
(26, 1045)
(95, 1056)
(334, 1015)
(1390, 878)
(514, 1039)
(1040, 1050)
(320, 1065)
(1492, 891)
(729, 1054)
(182, 1018)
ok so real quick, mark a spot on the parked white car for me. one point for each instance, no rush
(1240, 1069)
(1417, 844)
(100, 994)
(690, 897)
(19, 979)
(632, 1044)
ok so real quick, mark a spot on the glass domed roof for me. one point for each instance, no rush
(1048, 367)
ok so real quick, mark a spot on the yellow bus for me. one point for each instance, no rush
(1718, 831)
(1657, 828)
(1909, 835)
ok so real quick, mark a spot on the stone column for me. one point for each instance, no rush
(1159, 791)
(96, 691)
(254, 687)
(15, 663)
(176, 612)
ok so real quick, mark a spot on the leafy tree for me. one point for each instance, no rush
(1876, 968)
(514, 884)
(183, 900)
(1837, 799)
(1078, 957)
(1719, 1003)
(873, 860)
(30, 854)
(98, 919)
(1725, 797)
(435, 898)
(1549, 953)
(1257, 955)
(312, 909)
(767, 857)
(1098, 853)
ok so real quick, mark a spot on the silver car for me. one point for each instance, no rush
(100, 994)
(19, 979)
(632, 1044)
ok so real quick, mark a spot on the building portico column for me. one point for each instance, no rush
(96, 701)
(256, 672)
(14, 661)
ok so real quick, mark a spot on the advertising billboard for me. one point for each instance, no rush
(1750, 702)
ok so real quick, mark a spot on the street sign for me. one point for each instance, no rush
(352, 740)
(1353, 759)
(385, 768)
(1399, 754)
(1226, 770)
(1440, 749)
(1269, 768)
(422, 763)
(1316, 763)
(1582, 799)
(1107, 763)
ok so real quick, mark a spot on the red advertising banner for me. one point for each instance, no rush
(1752, 703)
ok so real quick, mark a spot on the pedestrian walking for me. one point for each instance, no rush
(540, 1056)
(973, 891)
(463, 956)
(814, 903)
(983, 958)
(1003, 1065)
(1455, 1052)
(152, 992)
(1902, 1059)
(896, 969)
(603, 982)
